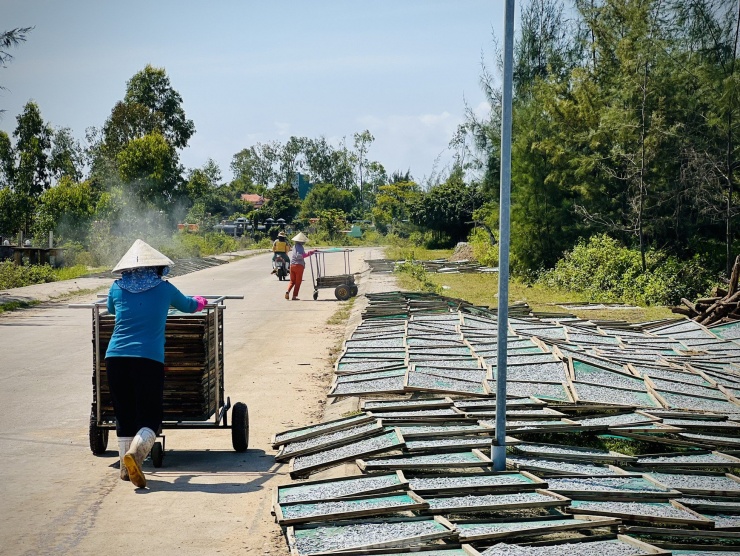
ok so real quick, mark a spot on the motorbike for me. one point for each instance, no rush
(281, 268)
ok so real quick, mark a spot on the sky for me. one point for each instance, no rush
(258, 71)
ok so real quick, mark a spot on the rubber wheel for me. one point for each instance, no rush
(342, 292)
(353, 290)
(240, 427)
(98, 436)
(157, 454)
(315, 295)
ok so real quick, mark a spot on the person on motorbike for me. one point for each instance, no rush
(280, 248)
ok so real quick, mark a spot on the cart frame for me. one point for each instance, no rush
(217, 413)
(343, 284)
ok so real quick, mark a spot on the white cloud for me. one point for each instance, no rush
(482, 110)
(412, 142)
(283, 128)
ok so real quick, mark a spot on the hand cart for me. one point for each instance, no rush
(343, 284)
(193, 377)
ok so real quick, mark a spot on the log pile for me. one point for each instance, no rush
(724, 306)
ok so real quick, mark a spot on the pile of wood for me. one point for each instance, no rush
(724, 306)
(190, 365)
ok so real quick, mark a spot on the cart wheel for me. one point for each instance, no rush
(342, 292)
(240, 427)
(157, 454)
(98, 436)
(315, 295)
(353, 290)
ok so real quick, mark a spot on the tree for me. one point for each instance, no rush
(67, 209)
(7, 161)
(544, 47)
(10, 39)
(33, 143)
(67, 156)
(284, 202)
(202, 182)
(363, 141)
(331, 221)
(326, 196)
(710, 33)
(148, 166)
(320, 162)
(256, 165)
(128, 121)
(151, 109)
(393, 202)
(634, 119)
(447, 208)
(542, 223)
(291, 159)
(11, 211)
(151, 88)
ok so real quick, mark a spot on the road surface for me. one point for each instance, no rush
(58, 498)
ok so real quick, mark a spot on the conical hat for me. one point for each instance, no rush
(301, 237)
(141, 254)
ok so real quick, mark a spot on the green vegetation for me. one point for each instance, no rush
(482, 289)
(605, 271)
(341, 315)
(12, 276)
(625, 164)
(15, 305)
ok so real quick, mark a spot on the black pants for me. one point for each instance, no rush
(137, 390)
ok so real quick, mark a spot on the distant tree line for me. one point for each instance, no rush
(626, 122)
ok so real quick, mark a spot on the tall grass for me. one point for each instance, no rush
(482, 289)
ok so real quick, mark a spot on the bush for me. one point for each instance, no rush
(13, 276)
(484, 251)
(606, 271)
(416, 271)
(194, 245)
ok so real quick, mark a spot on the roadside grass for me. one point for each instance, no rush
(481, 289)
(77, 293)
(411, 252)
(15, 305)
(76, 271)
(341, 315)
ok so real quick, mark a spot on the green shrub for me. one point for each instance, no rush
(606, 271)
(416, 271)
(485, 252)
(13, 276)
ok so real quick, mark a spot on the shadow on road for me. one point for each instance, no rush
(210, 471)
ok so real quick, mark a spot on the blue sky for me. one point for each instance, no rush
(257, 71)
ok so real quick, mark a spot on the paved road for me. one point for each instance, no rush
(57, 498)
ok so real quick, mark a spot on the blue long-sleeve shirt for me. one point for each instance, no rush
(141, 319)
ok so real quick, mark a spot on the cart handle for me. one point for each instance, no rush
(102, 298)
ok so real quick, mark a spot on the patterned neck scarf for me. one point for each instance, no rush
(139, 280)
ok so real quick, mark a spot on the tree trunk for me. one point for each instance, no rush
(642, 172)
(729, 161)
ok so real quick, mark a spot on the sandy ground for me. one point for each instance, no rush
(58, 498)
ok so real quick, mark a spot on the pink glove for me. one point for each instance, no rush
(202, 302)
(309, 253)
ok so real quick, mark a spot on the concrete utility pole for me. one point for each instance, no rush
(499, 448)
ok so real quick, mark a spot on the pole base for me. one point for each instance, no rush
(498, 454)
